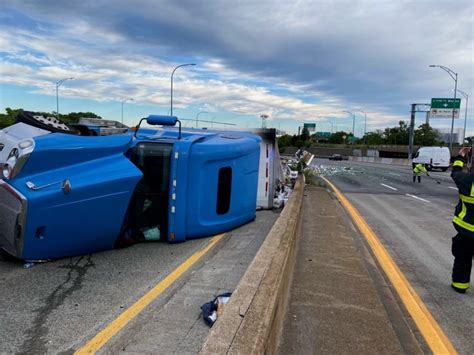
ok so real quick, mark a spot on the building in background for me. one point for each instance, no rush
(457, 135)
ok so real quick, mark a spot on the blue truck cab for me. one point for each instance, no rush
(64, 195)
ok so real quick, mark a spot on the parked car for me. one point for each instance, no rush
(335, 157)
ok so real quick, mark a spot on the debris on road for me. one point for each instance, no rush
(331, 170)
(282, 194)
(212, 310)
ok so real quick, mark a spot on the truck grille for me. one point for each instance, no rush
(12, 219)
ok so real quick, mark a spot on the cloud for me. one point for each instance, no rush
(301, 59)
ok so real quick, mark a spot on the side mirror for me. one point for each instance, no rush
(154, 120)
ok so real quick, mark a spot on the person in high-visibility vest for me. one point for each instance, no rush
(417, 170)
(463, 221)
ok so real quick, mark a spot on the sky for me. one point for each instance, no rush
(294, 61)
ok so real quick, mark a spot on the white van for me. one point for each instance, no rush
(433, 157)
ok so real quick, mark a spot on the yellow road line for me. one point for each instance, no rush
(101, 338)
(429, 328)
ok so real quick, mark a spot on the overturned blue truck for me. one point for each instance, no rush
(65, 194)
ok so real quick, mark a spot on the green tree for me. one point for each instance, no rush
(74, 117)
(339, 137)
(304, 134)
(9, 118)
(283, 142)
(373, 138)
(426, 136)
(397, 135)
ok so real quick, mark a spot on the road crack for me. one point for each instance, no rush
(35, 341)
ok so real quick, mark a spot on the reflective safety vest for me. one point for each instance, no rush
(419, 168)
(463, 219)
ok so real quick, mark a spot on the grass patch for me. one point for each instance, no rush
(312, 178)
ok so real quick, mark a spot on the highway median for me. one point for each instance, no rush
(252, 320)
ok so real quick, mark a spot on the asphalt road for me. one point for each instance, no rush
(56, 307)
(413, 221)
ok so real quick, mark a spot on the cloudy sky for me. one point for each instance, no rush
(295, 61)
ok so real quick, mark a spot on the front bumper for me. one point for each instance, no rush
(13, 209)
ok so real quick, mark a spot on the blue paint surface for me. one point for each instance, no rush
(103, 179)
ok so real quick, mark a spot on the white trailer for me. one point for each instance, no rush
(270, 168)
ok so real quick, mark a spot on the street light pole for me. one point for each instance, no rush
(365, 121)
(264, 118)
(466, 96)
(353, 123)
(130, 99)
(453, 76)
(58, 84)
(332, 127)
(197, 117)
(172, 73)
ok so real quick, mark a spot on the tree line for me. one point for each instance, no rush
(8, 118)
(424, 135)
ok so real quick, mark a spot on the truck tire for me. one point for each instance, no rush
(47, 123)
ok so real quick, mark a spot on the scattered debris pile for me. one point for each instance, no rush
(330, 170)
(292, 166)
(282, 194)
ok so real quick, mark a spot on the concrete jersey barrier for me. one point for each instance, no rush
(252, 320)
(392, 161)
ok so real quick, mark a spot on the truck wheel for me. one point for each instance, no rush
(47, 123)
(429, 167)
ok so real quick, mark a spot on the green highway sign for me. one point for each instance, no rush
(311, 127)
(323, 134)
(445, 103)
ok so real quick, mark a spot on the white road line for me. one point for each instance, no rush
(390, 187)
(454, 188)
(394, 174)
(418, 198)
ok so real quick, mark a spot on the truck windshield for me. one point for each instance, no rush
(149, 210)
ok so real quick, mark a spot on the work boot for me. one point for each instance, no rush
(458, 290)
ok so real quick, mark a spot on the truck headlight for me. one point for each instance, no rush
(9, 167)
(17, 158)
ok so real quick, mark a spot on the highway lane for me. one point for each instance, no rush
(413, 221)
(56, 307)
